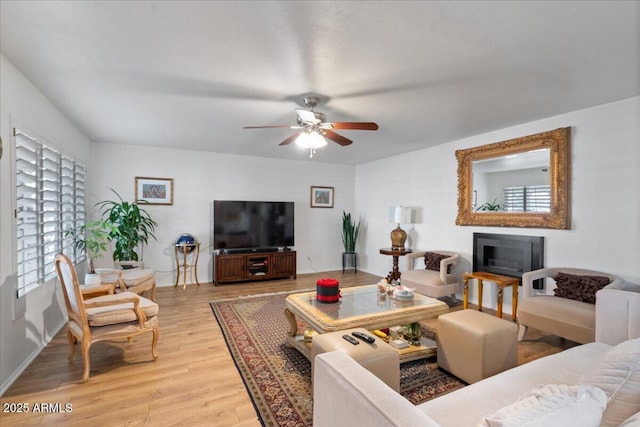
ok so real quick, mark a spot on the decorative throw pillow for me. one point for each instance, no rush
(579, 288)
(617, 373)
(432, 261)
(552, 405)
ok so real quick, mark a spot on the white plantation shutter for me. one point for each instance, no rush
(49, 201)
(538, 198)
(72, 207)
(514, 199)
(50, 209)
(27, 213)
(533, 198)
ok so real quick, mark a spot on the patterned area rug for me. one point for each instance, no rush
(278, 378)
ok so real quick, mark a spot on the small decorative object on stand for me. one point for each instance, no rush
(186, 240)
(328, 291)
(186, 244)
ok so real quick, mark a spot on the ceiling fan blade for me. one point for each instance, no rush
(339, 139)
(291, 138)
(355, 125)
(269, 127)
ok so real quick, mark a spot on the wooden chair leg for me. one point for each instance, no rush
(72, 345)
(154, 344)
(85, 360)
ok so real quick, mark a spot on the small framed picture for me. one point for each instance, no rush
(156, 191)
(321, 197)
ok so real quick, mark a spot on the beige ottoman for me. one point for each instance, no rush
(473, 345)
(379, 358)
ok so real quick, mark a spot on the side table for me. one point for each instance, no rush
(394, 274)
(185, 249)
(499, 280)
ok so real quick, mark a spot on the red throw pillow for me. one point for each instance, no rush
(579, 288)
(432, 261)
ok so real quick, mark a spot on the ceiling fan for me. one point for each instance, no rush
(313, 128)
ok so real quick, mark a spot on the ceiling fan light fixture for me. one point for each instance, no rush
(313, 130)
(311, 140)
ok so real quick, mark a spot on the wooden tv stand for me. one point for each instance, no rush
(245, 267)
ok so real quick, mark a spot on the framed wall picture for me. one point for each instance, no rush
(156, 191)
(321, 197)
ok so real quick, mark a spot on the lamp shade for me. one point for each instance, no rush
(400, 215)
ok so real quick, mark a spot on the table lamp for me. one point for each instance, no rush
(399, 215)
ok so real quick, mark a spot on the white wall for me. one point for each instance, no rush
(201, 177)
(27, 324)
(605, 232)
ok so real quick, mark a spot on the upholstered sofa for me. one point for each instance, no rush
(568, 318)
(573, 387)
(435, 282)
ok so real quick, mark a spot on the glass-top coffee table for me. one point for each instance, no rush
(360, 307)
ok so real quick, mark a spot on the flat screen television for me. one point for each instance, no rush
(252, 225)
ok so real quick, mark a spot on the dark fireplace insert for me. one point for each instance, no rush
(508, 255)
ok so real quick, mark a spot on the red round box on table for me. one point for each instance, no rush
(328, 290)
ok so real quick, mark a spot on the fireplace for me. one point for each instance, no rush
(508, 255)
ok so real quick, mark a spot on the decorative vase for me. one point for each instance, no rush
(92, 279)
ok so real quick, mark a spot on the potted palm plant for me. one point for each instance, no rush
(350, 232)
(413, 333)
(92, 237)
(132, 226)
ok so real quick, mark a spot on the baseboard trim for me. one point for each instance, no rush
(24, 365)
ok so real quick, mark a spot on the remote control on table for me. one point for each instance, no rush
(351, 339)
(363, 337)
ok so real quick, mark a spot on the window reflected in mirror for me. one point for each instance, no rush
(514, 183)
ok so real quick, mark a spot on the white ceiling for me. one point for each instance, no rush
(191, 74)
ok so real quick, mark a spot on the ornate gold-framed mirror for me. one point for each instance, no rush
(522, 182)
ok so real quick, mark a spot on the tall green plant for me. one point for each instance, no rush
(133, 226)
(92, 237)
(350, 232)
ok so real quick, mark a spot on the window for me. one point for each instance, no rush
(534, 198)
(50, 199)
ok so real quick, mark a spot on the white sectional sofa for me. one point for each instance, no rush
(347, 394)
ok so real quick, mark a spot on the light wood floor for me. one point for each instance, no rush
(194, 381)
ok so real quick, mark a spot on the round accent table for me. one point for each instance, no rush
(394, 274)
(184, 249)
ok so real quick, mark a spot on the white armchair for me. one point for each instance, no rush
(566, 318)
(432, 283)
